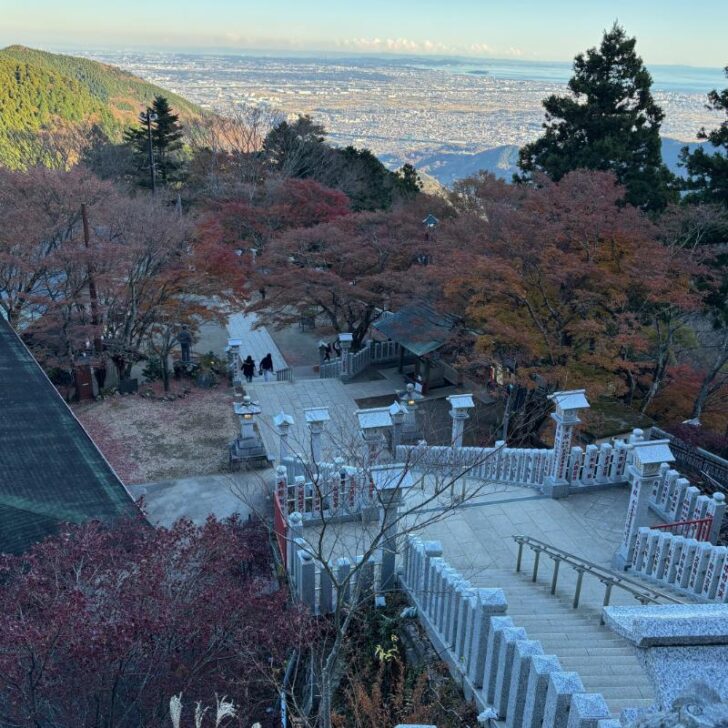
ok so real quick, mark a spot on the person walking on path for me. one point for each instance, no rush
(266, 367)
(248, 368)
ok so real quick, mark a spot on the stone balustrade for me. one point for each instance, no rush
(673, 499)
(697, 568)
(321, 587)
(592, 467)
(497, 665)
(334, 492)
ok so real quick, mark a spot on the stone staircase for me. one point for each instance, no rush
(605, 662)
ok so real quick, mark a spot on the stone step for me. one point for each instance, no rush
(590, 651)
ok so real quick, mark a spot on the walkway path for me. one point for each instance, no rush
(254, 342)
(294, 397)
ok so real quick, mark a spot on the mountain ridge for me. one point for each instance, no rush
(51, 92)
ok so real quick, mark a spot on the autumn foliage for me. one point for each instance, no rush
(101, 627)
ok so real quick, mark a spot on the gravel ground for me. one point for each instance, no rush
(147, 440)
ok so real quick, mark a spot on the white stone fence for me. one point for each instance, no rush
(696, 568)
(676, 501)
(335, 491)
(349, 365)
(313, 586)
(498, 666)
(594, 466)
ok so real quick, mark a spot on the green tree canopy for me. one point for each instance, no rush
(609, 122)
(708, 172)
(167, 146)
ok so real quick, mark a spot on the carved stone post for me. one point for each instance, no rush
(643, 471)
(568, 404)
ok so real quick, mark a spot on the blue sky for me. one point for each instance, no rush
(668, 32)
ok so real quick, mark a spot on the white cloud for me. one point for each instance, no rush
(425, 47)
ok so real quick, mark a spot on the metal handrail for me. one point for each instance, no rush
(699, 528)
(642, 593)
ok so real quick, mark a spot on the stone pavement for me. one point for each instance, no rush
(196, 498)
(254, 342)
(293, 398)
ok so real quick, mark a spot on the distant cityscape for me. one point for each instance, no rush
(443, 116)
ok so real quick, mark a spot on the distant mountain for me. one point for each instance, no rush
(48, 91)
(448, 167)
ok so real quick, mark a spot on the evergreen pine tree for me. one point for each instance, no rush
(708, 172)
(166, 144)
(609, 122)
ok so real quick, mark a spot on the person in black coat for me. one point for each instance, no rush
(248, 368)
(266, 367)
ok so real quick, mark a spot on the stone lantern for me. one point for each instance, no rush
(246, 410)
(460, 404)
(248, 446)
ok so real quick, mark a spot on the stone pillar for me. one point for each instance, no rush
(307, 586)
(505, 667)
(538, 682)
(489, 603)
(713, 571)
(716, 510)
(700, 567)
(397, 413)
(587, 710)
(316, 418)
(390, 500)
(568, 404)
(433, 550)
(490, 673)
(282, 489)
(522, 659)
(562, 687)
(282, 422)
(345, 341)
(459, 406)
(295, 531)
(642, 472)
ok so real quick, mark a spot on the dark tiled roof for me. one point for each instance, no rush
(50, 469)
(418, 328)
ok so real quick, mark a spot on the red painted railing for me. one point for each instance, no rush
(698, 529)
(280, 527)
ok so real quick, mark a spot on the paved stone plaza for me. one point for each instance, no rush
(295, 397)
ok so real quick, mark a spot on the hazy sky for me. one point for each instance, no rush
(670, 31)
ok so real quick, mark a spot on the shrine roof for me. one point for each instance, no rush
(417, 327)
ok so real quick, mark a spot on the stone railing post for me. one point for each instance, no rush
(295, 531)
(391, 484)
(345, 341)
(643, 471)
(316, 418)
(568, 404)
(716, 510)
(282, 422)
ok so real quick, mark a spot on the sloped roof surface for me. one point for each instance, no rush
(418, 328)
(50, 469)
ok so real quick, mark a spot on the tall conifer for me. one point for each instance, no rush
(610, 121)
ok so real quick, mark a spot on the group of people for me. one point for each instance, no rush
(265, 369)
(334, 348)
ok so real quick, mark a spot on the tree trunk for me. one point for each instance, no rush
(721, 360)
(164, 363)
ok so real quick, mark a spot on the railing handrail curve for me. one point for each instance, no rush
(606, 576)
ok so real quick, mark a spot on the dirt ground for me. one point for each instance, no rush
(147, 440)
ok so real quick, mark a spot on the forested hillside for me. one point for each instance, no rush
(42, 91)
